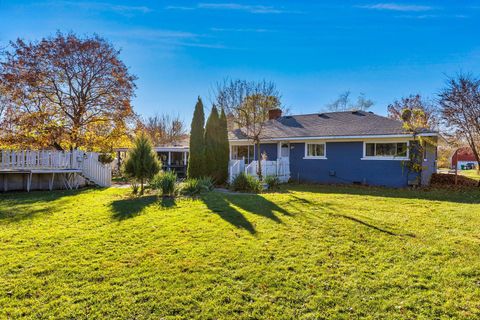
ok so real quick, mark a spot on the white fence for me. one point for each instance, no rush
(86, 162)
(279, 168)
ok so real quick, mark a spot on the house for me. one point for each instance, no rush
(463, 158)
(174, 156)
(353, 147)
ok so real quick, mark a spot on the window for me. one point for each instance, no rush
(386, 150)
(315, 150)
(243, 152)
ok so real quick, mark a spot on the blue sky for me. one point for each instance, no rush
(313, 50)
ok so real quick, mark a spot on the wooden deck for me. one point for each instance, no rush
(68, 176)
(66, 165)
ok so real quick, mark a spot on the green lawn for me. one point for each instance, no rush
(473, 174)
(310, 252)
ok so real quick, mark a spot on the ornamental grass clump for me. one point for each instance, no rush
(193, 186)
(246, 183)
(166, 183)
(273, 182)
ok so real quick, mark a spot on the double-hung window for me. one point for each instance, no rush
(386, 150)
(315, 151)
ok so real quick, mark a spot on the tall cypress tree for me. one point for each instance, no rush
(212, 143)
(224, 149)
(196, 160)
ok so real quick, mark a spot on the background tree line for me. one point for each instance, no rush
(69, 92)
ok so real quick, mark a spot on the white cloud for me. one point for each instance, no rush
(257, 9)
(169, 38)
(240, 7)
(397, 7)
(99, 6)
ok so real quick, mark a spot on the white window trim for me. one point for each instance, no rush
(306, 157)
(387, 158)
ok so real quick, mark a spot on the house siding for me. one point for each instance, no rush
(344, 166)
(429, 164)
(271, 149)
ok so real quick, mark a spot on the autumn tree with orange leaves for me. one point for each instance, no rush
(65, 92)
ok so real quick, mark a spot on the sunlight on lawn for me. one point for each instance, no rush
(305, 252)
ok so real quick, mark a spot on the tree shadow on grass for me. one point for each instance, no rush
(17, 206)
(226, 206)
(374, 227)
(129, 208)
(168, 202)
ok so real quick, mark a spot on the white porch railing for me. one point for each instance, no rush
(279, 168)
(44, 159)
(86, 162)
(95, 171)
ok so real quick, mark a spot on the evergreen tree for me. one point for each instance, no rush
(224, 149)
(212, 144)
(142, 162)
(196, 160)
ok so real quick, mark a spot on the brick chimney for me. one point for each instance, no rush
(274, 114)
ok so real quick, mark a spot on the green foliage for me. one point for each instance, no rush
(105, 158)
(194, 186)
(135, 187)
(273, 182)
(212, 144)
(383, 254)
(142, 162)
(224, 151)
(196, 161)
(165, 182)
(246, 183)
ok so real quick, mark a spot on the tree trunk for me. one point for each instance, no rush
(259, 167)
(141, 186)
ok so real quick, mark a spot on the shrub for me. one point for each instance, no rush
(135, 187)
(273, 182)
(142, 162)
(196, 186)
(246, 183)
(206, 184)
(165, 182)
(105, 158)
(190, 187)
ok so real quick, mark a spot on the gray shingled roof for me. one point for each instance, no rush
(332, 124)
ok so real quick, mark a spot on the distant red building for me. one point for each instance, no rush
(464, 156)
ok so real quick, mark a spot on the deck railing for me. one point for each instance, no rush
(279, 168)
(86, 162)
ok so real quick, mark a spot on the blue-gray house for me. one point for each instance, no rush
(353, 147)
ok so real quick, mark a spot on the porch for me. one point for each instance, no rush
(173, 158)
(243, 158)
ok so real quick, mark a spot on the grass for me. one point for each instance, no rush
(473, 174)
(308, 252)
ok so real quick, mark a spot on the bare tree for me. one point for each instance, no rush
(460, 109)
(164, 129)
(344, 103)
(247, 104)
(61, 87)
(423, 113)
